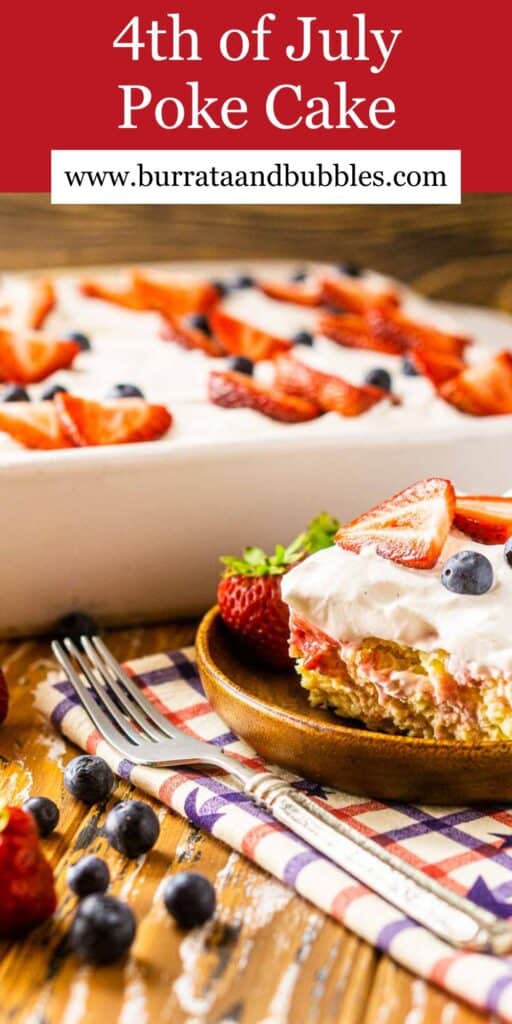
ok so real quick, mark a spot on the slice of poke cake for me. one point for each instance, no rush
(405, 624)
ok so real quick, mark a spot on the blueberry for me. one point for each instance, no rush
(350, 269)
(189, 898)
(55, 389)
(75, 625)
(507, 551)
(299, 276)
(125, 391)
(200, 322)
(45, 812)
(467, 572)
(243, 281)
(81, 339)
(303, 338)
(103, 929)
(242, 365)
(132, 828)
(89, 779)
(13, 393)
(409, 368)
(89, 874)
(221, 287)
(379, 378)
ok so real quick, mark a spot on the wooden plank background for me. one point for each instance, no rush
(462, 252)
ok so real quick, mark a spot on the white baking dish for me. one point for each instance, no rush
(133, 533)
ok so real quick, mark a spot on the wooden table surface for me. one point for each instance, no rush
(269, 957)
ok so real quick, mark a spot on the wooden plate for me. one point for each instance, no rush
(271, 712)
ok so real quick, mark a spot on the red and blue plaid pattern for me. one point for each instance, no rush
(469, 851)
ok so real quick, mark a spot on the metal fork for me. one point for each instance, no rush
(143, 735)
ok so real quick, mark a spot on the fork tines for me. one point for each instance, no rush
(124, 715)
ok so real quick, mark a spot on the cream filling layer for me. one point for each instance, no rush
(352, 596)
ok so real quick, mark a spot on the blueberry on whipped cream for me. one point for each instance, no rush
(467, 572)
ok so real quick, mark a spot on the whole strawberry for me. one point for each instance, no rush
(249, 592)
(27, 893)
(4, 697)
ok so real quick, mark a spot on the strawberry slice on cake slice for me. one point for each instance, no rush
(174, 295)
(410, 528)
(34, 425)
(192, 332)
(27, 357)
(302, 293)
(233, 390)
(43, 299)
(242, 339)
(483, 389)
(344, 293)
(438, 367)
(151, 292)
(126, 296)
(484, 518)
(392, 324)
(329, 392)
(353, 331)
(125, 421)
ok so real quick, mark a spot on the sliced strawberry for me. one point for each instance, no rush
(234, 390)
(354, 297)
(314, 647)
(242, 339)
(331, 393)
(484, 389)
(487, 520)
(127, 297)
(303, 293)
(175, 296)
(27, 357)
(43, 299)
(437, 366)
(33, 424)
(177, 329)
(117, 422)
(411, 528)
(393, 325)
(353, 331)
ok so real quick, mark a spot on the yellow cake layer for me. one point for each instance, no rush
(400, 689)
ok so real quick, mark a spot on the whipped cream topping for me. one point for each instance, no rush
(127, 348)
(352, 596)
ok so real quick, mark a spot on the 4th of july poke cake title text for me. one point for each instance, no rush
(286, 104)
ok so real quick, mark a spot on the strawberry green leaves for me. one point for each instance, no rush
(255, 562)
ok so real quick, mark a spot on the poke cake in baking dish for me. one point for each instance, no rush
(315, 350)
(405, 622)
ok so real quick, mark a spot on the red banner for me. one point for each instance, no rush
(373, 75)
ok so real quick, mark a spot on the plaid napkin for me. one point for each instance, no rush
(469, 851)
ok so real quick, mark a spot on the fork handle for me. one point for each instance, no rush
(450, 916)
